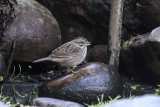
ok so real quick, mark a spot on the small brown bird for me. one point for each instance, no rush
(69, 54)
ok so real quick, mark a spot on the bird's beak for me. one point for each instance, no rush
(88, 43)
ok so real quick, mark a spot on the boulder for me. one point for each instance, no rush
(92, 80)
(35, 31)
(97, 54)
(141, 101)
(3, 105)
(23, 92)
(52, 102)
(88, 18)
(140, 57)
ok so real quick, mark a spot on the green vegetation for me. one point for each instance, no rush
(10, 99)
(3, 98)
(1, 78)
(20, 71)
(102, 102)
(17, 97)
(157, 91)
(134, 87)
(51, 72)
(30, 67)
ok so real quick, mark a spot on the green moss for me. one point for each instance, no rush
(134, 87)
(1, 78)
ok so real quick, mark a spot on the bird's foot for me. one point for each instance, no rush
(71, 70)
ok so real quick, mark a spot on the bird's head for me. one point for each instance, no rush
(81, 42)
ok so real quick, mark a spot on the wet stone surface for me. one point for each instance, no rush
(19, 91)
(52, 102)
(133, 88)
(90, 78)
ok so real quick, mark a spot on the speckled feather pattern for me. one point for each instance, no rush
(69, 54)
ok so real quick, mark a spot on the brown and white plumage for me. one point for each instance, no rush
(69, 54)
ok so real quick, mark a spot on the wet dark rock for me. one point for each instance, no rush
(131, 22)
(52, 102)
(89, 18)
(35, 30)
(97, 54)
(151, 9)
(18, 91)
(89, 82)
(132, 87)
(140, 57)
(141, 101)
(3, 71)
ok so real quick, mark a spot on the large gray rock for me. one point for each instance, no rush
(52, 102)
(89, 82)
(140, 57)
(35, 30)
(155, 34)
(3, 105)
(141, 101)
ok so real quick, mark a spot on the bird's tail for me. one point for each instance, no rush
(41, 60)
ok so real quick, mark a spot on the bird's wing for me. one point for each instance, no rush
(65, 50)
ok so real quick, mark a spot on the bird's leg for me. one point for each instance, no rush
(70, 70)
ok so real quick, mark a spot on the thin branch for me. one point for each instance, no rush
(115, 32)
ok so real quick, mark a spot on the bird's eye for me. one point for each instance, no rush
(82, 42)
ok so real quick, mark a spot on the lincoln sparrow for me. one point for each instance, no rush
(69, 54)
